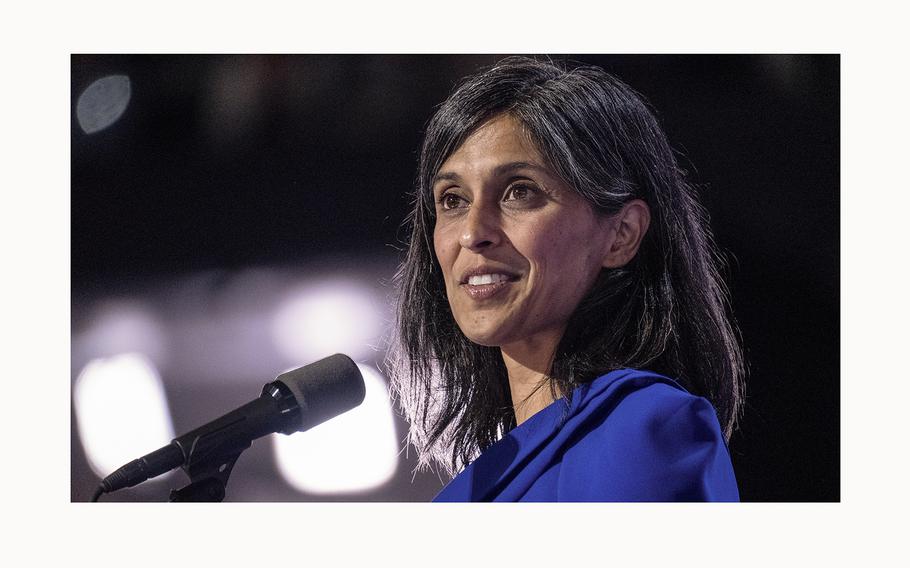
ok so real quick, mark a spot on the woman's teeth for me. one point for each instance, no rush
(486, 279)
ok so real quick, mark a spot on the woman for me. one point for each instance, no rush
(563, 333)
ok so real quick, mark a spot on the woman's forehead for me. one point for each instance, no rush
(500, 143)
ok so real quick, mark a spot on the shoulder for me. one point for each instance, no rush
(646, 412)
(649, 404)
(641, 436)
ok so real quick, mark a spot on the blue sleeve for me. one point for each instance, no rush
(658, 444)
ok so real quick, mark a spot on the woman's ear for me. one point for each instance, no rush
(628, 228)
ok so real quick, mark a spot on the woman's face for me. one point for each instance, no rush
(517, 246)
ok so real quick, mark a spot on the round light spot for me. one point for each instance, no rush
(121, 411)
(102, 103)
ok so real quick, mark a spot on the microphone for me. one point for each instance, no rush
(294, 402)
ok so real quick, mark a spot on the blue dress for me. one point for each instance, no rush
(628, 435)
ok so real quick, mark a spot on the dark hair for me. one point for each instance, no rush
(667, 310)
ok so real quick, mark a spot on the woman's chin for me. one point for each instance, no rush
(484, 336)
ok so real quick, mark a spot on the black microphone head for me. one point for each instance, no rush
(325, 389)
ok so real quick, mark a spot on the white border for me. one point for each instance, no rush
(34, 221)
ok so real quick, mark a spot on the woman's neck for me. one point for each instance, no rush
(528, 364)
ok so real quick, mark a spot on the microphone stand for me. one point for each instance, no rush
(208, 479)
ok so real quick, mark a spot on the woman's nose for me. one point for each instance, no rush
(481, 229)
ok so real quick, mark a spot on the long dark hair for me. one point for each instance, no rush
(667, 310)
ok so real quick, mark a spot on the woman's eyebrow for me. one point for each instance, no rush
(497, 171)
(512, 166)
(445, 176)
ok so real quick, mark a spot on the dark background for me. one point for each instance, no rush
(222, 163)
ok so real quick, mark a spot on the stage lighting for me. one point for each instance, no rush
(102, 103)
(356, 451)
(121, 411)
(119, 327)
(327, 317)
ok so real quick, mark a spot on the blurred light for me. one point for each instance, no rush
(121, 411)
(793, 74)
(121, 327)
(334, 316)
(102, 103)
(352, 452)
(234, 102)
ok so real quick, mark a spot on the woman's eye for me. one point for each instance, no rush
(451, 201)
(520, 192)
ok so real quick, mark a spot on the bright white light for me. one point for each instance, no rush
(352, 452)
(121, 411)
(102, 103)
(327, 318)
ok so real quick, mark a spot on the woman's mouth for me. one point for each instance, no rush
(483, 286)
